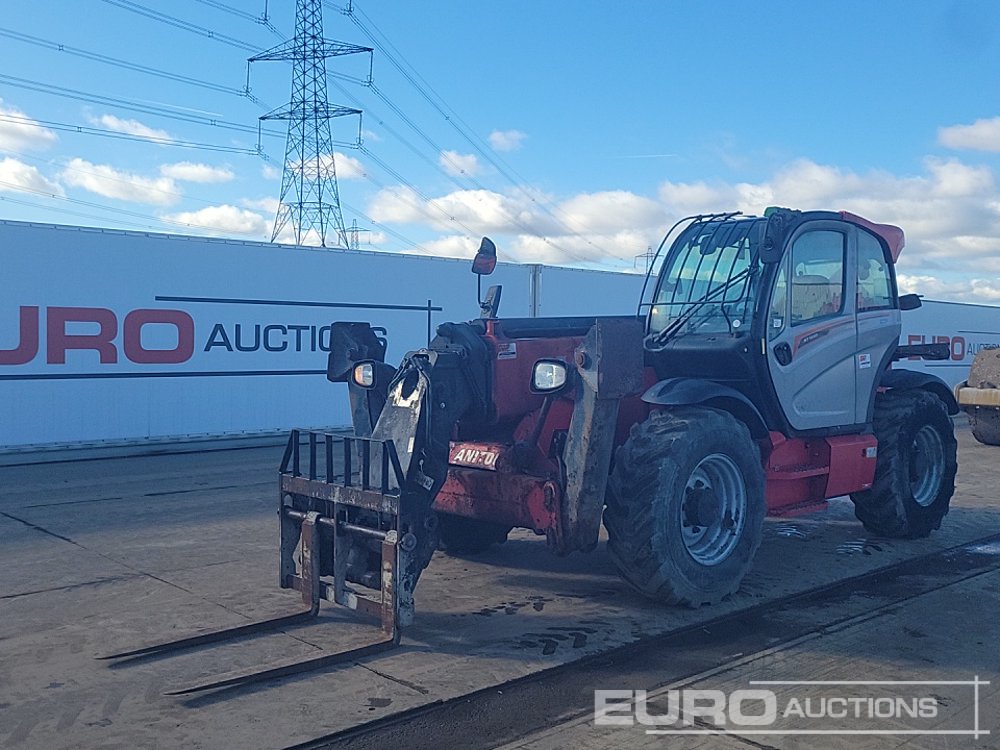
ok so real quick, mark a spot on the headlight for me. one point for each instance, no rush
(364, 374)
(548, 376)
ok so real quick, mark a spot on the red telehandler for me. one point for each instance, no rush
(756, 379)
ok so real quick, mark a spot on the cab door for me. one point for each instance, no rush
(812, 335)
(878, 317)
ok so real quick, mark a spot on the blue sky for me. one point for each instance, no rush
(593, 125)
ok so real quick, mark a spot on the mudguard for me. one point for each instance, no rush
(910, 380)
(691, 392)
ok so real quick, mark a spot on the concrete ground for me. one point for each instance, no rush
(103, 555)
(929, 639)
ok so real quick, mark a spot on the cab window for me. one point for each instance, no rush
(779, 302)
(817, 277)
(874, 282)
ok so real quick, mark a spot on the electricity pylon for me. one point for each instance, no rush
(310, 198)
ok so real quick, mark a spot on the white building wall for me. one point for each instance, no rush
(218, 389)
(966, 328)
(288, 293)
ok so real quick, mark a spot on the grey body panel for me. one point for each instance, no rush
(817, 386)
(878, 335)
(836, 359)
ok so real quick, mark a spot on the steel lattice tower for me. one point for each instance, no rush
(310, 198)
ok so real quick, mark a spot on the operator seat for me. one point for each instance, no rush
(812, 297)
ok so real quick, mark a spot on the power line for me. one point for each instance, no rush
(105, 133)
(182, 24)
(262, 19)
(423, 208)
(435, 165)
(125, 64)
(71, 212)
(64, 165)
(455, 120)
(112, 101)
(112, 209)
(125, 222)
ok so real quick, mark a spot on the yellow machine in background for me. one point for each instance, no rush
(979, 396)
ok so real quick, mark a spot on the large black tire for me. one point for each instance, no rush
(674, 469)
(985, 424)
(468, 536)
(915, 469)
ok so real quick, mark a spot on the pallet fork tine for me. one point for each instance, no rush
(319, 589)
(308, 532)
(215, 636)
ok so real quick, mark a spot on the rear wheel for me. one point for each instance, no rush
(469, 536)
(985, 424)
(685, 506)
(915, 469)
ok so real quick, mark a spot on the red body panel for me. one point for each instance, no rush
(510, 499)
(803, 473)
(519, 483)
(513, 361)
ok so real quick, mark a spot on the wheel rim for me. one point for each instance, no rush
(713, 511)
(926, 465)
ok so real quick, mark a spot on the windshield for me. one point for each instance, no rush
(707, 283)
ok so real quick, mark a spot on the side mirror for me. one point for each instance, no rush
(909, 301)
(772, 236)
(486, 259)
(351, 343)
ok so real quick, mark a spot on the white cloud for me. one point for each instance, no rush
(451, 246)
(343, 166)
(457, 164)
(224, 219)
(18, 132)
(397, 205)
(971, 290)
(270, 205)
(348, 168)
(982, 135)
(310, 238)
(485, 211)
(196, 172)
(16, 176)
(507, 140)
(270, 172)
(131, 127)
(623, 245)
(610, 211)
(950, 212)
(610, 225)
(480, 210)
(114, 183)
(949, 209)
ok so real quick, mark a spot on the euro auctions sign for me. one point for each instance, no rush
(801, 707)
(148, 336)
(109, 336)
(64, 332)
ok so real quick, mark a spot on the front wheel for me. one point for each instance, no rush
(685, 506)
(915, 469)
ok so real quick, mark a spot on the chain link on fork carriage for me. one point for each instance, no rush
(346, 528)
